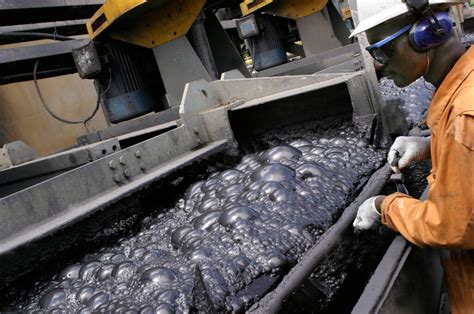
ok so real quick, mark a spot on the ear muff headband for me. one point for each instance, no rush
(423, 36)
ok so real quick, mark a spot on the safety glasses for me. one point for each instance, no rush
(383, 50)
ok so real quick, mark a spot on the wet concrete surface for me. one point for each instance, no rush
(254, 220)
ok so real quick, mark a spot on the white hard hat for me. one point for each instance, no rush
(374, 12)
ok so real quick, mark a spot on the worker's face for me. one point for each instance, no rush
(405, 64)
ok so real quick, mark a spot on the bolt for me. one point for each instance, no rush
(127, 173)
(117, 178)
(112, 164)
(138, 154)
(72, 158)
(142, 167)
(122, 160)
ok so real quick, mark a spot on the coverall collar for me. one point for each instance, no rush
(463, 67)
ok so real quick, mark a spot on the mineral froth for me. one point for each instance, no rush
(256, 219)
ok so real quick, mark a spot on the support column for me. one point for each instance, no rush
(372, 81)
(317, 34)
(179, 65)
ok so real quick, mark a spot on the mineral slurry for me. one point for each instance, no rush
(256, 219)
(415, 98)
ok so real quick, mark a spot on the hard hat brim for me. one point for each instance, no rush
(379, 19)
(392, 12)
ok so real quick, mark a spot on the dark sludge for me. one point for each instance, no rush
(228, 231)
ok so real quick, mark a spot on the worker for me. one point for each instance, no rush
(411, 39)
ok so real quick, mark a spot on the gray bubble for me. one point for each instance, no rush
(84, 294)
(98, 300)
(167, 296)
(164, 309)
(105, 272)
(123, 270)
(71, 272)
(277, 260)
(280, 153)
(235, 214)
(147, 309)
(209, 204)
(207, 221)
(231, 175)
(88, 270)
(85, 310)
(309, 170)
(178, 235)
(273, 172)
(158, 275)
(52, 298)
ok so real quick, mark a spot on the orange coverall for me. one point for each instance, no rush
(446, 218)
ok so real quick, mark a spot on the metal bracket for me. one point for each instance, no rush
(16, 153)
(127, 166)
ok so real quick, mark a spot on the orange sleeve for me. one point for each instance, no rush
(445, 219)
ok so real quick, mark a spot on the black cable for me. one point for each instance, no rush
(36, 35)
(40, 95)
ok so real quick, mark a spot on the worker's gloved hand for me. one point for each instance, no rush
(368, 215)
(407, 149)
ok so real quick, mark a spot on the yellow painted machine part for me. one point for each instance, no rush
(292, 9)
(346, 13)
(250, 6)
(109, 12)
(146, 23)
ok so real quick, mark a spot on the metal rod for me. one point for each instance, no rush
(36, 35)
(329, 240)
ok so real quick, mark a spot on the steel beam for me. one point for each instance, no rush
(35, 4)
(63, 28)
(16, 64)
(14, 12)
(226, 55)
(405, 272)
(265, 103)
(42, 209)
(39, 51)
(372, 82)
(179, 65)
(27, 174)
(43, 26)
(130, 126)
(315, 42)
(315, 63)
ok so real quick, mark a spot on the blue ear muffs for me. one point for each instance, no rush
(423, 34)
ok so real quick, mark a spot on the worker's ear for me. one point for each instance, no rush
(425, 34)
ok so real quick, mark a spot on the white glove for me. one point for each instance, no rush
(408, 149)
(367, 216)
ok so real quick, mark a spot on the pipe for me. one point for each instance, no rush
(329, 240)
(36, 36)
(7, 79)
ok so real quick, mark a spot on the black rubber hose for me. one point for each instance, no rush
(40, 95)
(272, 302)
(36, 35)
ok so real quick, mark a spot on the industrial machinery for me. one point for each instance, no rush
(41, 216)
(271, 28)
(184, 41)
(24, 21)
(212, 116)
(142, 53)
(61, 216)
